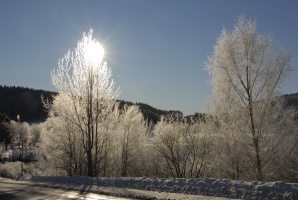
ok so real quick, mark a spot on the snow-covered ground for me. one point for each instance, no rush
(158, 188)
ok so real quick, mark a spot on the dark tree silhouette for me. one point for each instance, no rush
(5, 137)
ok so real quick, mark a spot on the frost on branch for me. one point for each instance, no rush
(86, 92)
(247, 70)
(84, 68)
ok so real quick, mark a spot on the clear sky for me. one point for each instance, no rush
(155, 48)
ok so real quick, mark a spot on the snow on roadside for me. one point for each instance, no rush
(122, 193)
(207, 187)
(157, 188)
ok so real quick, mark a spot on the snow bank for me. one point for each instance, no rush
(208, 187)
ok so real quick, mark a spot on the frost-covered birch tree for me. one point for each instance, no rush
(228, 155)
(182, 147)
(85, 79)
(247, 70)
(130, 141)
(64, 140)
(109, 124)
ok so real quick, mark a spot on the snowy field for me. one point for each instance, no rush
(187, 187)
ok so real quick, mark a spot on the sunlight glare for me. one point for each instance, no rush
(94, 53)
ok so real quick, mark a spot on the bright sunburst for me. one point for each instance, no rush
(94, 53)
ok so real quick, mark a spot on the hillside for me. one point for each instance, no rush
(292, 99)
(27, 103)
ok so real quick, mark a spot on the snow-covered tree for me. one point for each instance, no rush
(104, 144)
(64, 147)
(85, 79)
(247, 71)
(129, 140)
(228, 159)
(19, 135)
(183, 149)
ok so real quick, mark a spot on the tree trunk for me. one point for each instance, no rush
(89, 163)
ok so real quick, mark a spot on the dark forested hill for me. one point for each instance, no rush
(27, 103)
(292, 99)
(150, 113)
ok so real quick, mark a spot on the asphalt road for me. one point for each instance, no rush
(23, 192)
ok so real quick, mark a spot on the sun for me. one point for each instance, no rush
(94, 53)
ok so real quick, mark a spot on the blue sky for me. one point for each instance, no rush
(156, 49)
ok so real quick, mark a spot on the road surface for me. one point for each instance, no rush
(17, 190)
(23, 192)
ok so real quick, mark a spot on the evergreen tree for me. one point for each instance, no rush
(5, 137)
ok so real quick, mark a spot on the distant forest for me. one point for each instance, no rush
(27, 103)
(292, 99)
